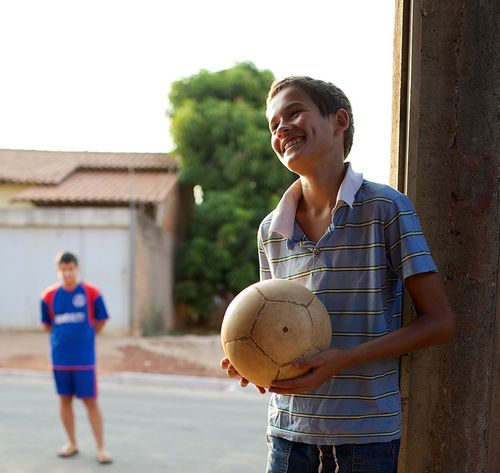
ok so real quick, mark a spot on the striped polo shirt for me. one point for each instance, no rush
(356, 269)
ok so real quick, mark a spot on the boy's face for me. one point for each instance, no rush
(67, 273)
(302, 138)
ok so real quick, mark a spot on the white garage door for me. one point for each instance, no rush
(27, 266)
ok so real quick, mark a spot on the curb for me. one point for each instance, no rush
(25, 373)
(172, 381)
(149, 379)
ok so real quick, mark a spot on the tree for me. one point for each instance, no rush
(221, 134)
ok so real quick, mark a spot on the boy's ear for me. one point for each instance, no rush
(341, 120)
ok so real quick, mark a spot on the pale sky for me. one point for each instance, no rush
(94, 75)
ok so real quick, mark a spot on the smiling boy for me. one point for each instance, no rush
(353, 243)
(73, 312)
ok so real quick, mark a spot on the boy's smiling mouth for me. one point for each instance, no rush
(292, 141)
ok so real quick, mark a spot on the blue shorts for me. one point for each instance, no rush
(81, 383)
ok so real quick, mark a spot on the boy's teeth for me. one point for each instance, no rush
(292, 142)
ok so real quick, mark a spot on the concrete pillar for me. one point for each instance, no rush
(446, 157)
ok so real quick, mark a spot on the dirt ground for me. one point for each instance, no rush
(193, 355)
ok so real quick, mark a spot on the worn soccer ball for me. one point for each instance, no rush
(269, 325)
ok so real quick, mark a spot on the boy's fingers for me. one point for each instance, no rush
(232, 373)
(307, 362)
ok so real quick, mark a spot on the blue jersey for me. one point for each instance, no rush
(72, 316)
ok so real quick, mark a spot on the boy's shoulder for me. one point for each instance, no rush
(375, 190)
(265, 223)
(90, 289)
(383, 197)
(50, 290)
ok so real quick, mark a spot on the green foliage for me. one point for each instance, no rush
(242, 82)
(222, 136)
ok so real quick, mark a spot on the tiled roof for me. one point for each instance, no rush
(102, 188)
(52, 167)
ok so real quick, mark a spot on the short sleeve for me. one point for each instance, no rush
(407, 250)
(264, 270)
(100, 312)
(45, 314)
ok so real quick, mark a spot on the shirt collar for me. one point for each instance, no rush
(284, 215)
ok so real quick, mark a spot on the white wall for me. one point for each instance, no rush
(29, 240)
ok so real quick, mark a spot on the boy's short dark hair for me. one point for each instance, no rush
(325, 95)
(66, 257)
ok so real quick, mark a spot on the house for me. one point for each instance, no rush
(119, 212)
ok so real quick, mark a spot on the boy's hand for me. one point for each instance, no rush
(99, 325)
(232, 373)
(321, 367)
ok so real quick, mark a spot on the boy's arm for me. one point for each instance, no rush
(434, 325)
(101, 314)
(99, 325)
(45, 316)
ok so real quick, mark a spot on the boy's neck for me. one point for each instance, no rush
(319, 191)
(70, 287)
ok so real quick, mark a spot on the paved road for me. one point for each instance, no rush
(148, 428)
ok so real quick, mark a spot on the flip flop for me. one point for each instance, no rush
(104, 457)
(67, 451)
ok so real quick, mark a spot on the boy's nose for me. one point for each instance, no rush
(282, 129)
